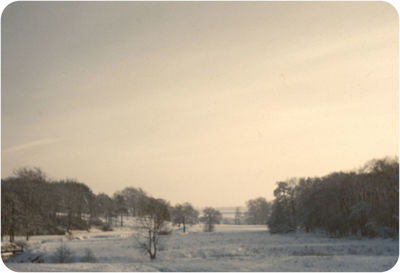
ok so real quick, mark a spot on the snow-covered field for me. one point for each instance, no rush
(230, 248)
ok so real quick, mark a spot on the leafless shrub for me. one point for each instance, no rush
(69, 236)
(21, 244)
(151, 225)
(309, 252)
(63, 254)
(88, 256)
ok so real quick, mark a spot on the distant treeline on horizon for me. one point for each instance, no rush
(363, 202)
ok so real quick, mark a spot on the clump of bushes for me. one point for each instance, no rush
(165, 232)
(95, 221)
(63, 254)
(88, 256)
(21, 244)
(106, 227)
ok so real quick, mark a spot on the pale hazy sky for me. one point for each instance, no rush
(210, 103)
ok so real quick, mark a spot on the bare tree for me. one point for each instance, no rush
(135, 200)
(184, 215)
(106, 208)
(10, 213)
(211, 217)
(120, 206)
(151, 224)
(238, 216)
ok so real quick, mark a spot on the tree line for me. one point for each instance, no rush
(30, 204)
(33, 204)
(363, 202)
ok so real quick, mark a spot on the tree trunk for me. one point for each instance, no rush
(150, 252)
(12, 235)
(69, 220)
(154, 245)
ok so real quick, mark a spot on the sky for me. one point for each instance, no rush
(210, 103)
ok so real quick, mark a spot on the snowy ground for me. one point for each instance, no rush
(230, 248)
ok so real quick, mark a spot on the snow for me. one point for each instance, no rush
(230, 248)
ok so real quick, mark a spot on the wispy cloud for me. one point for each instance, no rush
(28, 145)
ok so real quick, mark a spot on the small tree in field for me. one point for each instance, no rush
(211, 217)
(184, 215)
(238, 216)
(151, 224)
